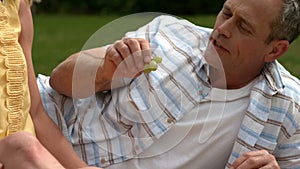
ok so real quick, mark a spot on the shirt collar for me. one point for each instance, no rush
(203, 70)
(271, 73)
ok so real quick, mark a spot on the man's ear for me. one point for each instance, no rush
(277, 49)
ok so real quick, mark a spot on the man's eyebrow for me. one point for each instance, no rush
(242, 17)
(227, 7)
(245, 21)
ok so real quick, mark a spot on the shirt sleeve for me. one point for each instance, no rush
(288, 152)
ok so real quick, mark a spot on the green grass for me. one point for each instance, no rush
(58, 36)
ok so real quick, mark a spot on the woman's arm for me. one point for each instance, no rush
(47, 132)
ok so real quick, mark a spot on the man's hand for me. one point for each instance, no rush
(256, 159)
(94, 70)
(126, 58)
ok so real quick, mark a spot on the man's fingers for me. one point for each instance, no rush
(114, 56)
(146, 50)
(255, 159)
(123, 51)
(247, 155)
(129, 56)
(253, 162)
(122, 48)
(141, 51)
(133, 44)
(135, 60)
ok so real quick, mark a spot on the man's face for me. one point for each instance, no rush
(240, 34)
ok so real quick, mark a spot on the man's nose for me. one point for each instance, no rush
(225, 29)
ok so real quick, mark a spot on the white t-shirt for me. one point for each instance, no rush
(202, 139)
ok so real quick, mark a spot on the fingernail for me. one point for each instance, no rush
(147, 59)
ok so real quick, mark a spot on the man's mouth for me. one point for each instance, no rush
(218, 45)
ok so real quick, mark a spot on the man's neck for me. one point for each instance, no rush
(223, 80)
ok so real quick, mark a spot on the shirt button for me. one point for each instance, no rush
(169, 120)
(103, 161)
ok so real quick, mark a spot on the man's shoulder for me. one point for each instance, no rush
(289, 97)
(281, 80)
(165, 20)
(280, 95)
(291, 83)
(279, 86)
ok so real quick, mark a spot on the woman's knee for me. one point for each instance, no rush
(21, 143)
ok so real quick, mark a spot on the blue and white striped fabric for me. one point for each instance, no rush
(116, 126)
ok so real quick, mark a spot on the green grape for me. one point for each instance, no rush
(147, 70)
(157, 59)
(152, 65)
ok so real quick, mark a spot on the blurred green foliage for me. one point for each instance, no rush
(187, 7)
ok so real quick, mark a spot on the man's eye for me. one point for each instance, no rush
(227, 14)
(244, 28)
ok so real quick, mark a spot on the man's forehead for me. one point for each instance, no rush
(264, 10)
(243, 10)
(257, 14)
(256, 4)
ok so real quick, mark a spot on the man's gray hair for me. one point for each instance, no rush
(287, 24)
